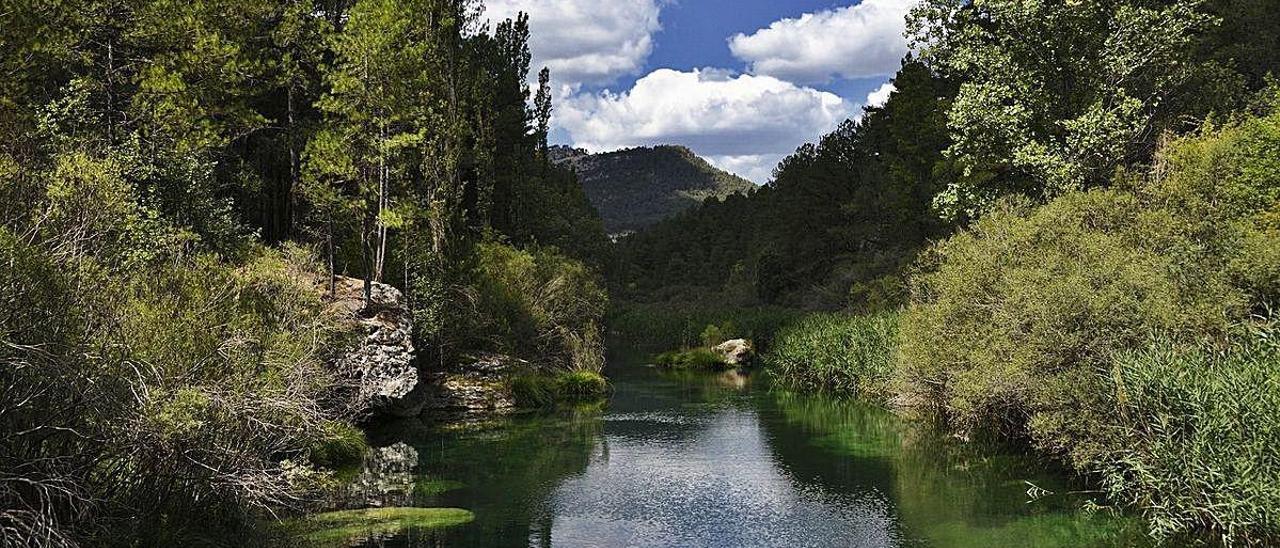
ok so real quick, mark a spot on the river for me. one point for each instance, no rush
(683, 459)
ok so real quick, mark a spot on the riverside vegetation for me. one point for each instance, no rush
(180, 185)
(1060, 231)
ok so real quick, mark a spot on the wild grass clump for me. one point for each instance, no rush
(691, 358)
(1200, 430)
(581, 385)
(541, 389)
(837, 353)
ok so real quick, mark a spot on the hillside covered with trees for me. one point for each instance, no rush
(635, 188)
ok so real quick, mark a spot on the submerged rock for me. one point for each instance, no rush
(735, 352)
(381, 364)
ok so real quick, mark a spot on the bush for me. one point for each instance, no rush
(1200, 432)
(189, 368)
(534, 389)
(538, 305)
(692, 358)
(836, 352)
(342, 446)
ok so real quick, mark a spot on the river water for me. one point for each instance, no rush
(682, 459)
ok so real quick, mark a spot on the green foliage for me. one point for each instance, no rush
(347, 526)
(534, 389)
(342, 446)
(691, 358)
(1199, 436)
(539, 305)
(844, 354)
(581, 385)
(716, 334)
(672, 325)
(851, 208)
(1033, 324)
(1056, 96)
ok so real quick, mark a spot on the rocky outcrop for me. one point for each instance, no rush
(737, 352)
(481, 384)
(380, 365)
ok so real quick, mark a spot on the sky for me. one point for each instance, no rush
(741, 82)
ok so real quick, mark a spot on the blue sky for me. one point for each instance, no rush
(741, 82)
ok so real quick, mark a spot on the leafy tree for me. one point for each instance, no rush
(1055, 96)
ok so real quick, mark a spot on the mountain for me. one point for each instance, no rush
(637, 187)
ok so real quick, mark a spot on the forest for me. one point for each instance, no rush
(1061, 233)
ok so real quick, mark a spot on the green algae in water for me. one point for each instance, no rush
(430, 487)
(347, 526)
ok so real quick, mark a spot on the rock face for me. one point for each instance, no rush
(735, 352)
(381, 364)
(480, 384)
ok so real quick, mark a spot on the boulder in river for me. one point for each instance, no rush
(736, 352)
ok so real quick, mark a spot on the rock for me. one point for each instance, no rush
(481, 384)
(381, 365)
(735, 352)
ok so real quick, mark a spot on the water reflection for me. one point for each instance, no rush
(719, 460)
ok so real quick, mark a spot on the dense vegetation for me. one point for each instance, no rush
(834, 227)
(1067, 216)
(635, 188)
(179, 181)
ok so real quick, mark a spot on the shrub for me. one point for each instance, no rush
(692, 358)
(539, 305)
(342, 446)
(535, 389)
(838, 353)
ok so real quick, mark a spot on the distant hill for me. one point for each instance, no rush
(638, 187)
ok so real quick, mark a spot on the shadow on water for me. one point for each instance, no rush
(689, 459)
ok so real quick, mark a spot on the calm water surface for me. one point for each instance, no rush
(722, 460)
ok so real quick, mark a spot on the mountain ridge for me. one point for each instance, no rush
(637, 187)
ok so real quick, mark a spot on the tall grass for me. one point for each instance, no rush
(1200, 443)
(838, 353)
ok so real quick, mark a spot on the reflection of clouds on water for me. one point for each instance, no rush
(721, 487)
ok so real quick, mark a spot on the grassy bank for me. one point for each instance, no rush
(837, 353)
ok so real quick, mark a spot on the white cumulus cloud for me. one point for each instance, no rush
(880, 96)
(744, 123)
(857, 41)
(585, 41)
